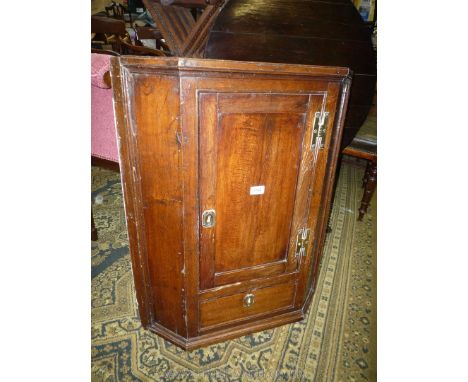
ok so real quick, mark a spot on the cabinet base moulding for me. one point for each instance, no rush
(228, 333)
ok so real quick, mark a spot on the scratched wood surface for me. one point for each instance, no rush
(196, 135)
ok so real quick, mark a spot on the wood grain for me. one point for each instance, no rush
(196, 135)
(232, 308)
(311, 32)
(255, 149)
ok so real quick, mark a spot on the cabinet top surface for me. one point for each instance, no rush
(207, 65)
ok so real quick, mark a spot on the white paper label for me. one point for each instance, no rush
(257, 190)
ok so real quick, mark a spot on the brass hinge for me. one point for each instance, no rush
(320, 129)
(302, 242)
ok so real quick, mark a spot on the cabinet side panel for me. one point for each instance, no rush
(324, 170)
(125, 146)
(152, 114)
(342, 97)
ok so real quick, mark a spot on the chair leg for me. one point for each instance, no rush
(369, 188)
(366, 174)
(94, 233)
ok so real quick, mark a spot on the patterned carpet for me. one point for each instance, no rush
(336, 341)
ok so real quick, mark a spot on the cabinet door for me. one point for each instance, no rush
(252, 150)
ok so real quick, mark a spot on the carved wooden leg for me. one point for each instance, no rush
(369, 188)
(366, 174)
(94, 234)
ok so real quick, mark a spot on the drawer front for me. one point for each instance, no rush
(237, 307)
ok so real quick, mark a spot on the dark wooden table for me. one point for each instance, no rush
(312, 32)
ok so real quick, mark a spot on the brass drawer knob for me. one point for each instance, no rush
(249, 300)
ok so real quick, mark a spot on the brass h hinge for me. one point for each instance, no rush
(320, 129)
(302, 242)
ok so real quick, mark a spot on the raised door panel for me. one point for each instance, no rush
(251, 149)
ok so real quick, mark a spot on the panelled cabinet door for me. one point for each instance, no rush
(227, 171)
(252, 149)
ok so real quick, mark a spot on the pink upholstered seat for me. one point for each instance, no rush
(103, 137)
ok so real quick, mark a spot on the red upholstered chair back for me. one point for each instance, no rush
(103, 135)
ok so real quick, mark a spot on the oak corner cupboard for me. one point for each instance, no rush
(227, 170)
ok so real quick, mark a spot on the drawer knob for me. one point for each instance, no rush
(249, 300)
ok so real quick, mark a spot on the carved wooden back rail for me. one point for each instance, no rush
(185, 36)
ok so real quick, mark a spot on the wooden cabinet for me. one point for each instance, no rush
(227, 171)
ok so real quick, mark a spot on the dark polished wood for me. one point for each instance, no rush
(150, 33)
(185, 36)
(105, 163)
(147, 33)
(370, 184)
(312, 32)
(234, 138)
(107, 31)
(104, 51)
(107, 25)
(365, 150)
(139, 50)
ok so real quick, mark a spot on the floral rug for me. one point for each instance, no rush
(335, 342)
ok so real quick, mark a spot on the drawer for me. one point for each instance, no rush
(248, 304)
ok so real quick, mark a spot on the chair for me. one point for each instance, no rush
(103, 137)
(117, 11)
(107, 31)
(104, 150)
(146, 34)
(364, 146)
(138, 50)
(113, 33)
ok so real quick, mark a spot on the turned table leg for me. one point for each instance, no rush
(369, 188)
